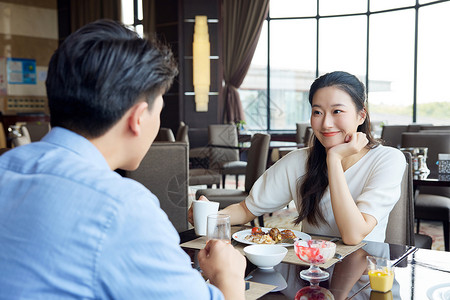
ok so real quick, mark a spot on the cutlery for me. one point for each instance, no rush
(338, 257)
(248, 277)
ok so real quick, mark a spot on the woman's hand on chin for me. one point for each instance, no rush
(353, 144)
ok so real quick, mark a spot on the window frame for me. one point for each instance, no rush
(319, 17)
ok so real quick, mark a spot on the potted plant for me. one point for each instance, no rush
(240, 125)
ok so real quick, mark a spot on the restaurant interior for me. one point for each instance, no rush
(210, 142)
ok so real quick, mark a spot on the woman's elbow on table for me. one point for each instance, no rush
(352, 239)
(358, 233)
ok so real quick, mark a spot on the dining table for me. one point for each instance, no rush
(431, 179)
(275, 148)
(419, 273)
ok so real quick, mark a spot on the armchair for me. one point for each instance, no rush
(165, 135)
(432, 203)
(257, 163)
(164, 171)
(220, 158)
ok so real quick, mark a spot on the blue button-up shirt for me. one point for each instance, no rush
(70, 228)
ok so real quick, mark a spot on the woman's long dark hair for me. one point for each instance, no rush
(312, 186)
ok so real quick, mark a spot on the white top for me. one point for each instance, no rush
(374, 182)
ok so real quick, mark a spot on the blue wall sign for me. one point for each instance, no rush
(21, 71)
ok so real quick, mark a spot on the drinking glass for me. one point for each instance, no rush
(381, 273)
(218, 228)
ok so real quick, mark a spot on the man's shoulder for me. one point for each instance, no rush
(63, 168)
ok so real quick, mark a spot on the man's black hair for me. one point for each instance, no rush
(100, 71)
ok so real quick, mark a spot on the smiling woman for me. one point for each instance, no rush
(345, 184)
(338, 112)
(334, 116)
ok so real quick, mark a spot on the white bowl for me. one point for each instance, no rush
(265, 256)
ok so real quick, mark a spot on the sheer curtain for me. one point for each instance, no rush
(241, 27)
(83, 12)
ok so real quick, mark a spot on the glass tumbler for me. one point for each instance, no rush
(218, 228)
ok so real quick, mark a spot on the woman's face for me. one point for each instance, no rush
(334, 116)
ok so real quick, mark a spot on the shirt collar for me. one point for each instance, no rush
(76, 143)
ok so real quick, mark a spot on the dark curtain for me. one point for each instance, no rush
(241, 27)
(83, 12)
(148, 21)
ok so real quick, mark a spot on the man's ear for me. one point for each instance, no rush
(136, 115)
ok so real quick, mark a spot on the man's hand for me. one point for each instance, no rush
(225, 268)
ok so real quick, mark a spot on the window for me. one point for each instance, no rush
(289, 84)
(391, 67)
(404, 70)
(433, 65)
(132, 15)
(342, 45)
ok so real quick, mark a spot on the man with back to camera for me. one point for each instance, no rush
(72, 228)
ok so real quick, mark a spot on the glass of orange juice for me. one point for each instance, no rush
(381, 273)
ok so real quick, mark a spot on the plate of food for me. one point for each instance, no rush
(270, 236)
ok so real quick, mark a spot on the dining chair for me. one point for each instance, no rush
(182, 133)
(437, 127)
(3, 150)
(165, 135)
(300, 132)
(236, 168)
(37, 130)
(164, 171)
(216, 155)
(22, 139)
(256, 165)
(227, 160)
(308, 136)
(2, 136)
(199, 157)
(416, 127)
(204, 176)
(199, 176)
(221, 154)
(392, 135)
(400, 227)
(432, 203)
